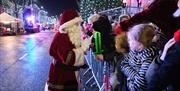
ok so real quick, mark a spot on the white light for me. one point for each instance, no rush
(6, 22)
(124, 1)
(31, 18)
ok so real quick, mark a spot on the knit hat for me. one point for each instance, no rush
(69, 18)
(93, 18)
(123, 16)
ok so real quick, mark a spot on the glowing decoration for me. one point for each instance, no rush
(127, 3)
(31, 19)
(124, 1)
(6, 22)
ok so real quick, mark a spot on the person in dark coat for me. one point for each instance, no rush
(102, 25)
(104, 48)
(169, 71)
(167, 74)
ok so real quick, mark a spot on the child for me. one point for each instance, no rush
(121, 43)
(122, 49)
(140, 57)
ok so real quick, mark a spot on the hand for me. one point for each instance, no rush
(166, 48)
(156, 38)
(99, 57)
(169, 44)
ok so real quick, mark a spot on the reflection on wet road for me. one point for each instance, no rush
(24, 61)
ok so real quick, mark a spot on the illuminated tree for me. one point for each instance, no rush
(87, 7)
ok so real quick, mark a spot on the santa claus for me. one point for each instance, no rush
(67, 51)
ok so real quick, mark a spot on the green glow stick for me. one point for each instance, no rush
(98, 45)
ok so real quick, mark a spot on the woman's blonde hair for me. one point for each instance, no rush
(121, 43)
(142, 33)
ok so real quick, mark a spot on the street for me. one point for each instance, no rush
(24, 61)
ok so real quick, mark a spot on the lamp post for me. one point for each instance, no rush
(139, 3)
(31, 5)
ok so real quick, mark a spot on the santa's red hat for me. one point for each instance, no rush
(68, 18)
(177, 35)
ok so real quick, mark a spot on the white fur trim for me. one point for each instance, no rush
(46, 87)
(123, 15)
(79, 54)
(70, 23)
(61, 30)
(93, 18)
(177, 13)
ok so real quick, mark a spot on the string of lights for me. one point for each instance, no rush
(87, 7)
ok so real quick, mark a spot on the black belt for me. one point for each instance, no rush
(61, 87)
(66, 67)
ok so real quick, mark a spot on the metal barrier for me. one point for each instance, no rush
(122, 10)
(99, 70)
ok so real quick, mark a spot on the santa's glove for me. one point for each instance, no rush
(85, 44)
(84, 66)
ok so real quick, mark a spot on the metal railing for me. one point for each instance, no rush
(98, 69)
(122, 10)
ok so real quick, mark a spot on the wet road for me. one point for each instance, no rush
(24, 61)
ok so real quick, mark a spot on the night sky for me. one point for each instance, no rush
(55, 7)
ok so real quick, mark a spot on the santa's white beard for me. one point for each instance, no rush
(177, 13)
(74, 35)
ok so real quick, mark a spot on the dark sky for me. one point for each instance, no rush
(55, 7)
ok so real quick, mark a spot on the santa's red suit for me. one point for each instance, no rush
(67, 52)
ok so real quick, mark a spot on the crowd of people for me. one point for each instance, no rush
(146, 45)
